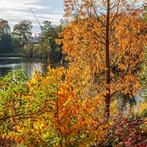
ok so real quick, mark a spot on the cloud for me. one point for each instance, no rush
(17, 10)
(17, 4)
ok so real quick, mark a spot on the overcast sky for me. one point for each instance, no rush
(17, 10)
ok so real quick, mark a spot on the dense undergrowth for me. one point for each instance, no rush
(46, 111)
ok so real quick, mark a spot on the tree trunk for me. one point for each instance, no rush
(107, 47)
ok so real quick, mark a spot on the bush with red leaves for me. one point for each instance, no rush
(127, 132)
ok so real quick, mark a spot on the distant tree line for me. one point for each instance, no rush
(21, 40)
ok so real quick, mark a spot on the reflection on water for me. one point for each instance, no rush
(8, 64)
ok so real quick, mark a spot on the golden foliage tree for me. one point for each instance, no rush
(105, 43)
(46, 111)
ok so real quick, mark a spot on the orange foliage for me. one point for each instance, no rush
(106, 51)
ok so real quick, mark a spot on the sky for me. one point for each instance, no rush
(16, 10)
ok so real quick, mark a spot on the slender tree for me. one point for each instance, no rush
(47, 43)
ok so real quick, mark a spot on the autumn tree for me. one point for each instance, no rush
(105, 45)
(47, 115)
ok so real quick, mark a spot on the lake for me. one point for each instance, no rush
(8, 64)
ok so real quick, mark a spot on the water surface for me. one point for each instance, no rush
(8, 64)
